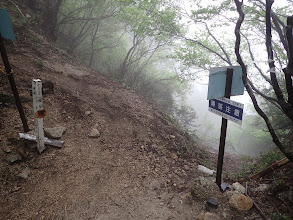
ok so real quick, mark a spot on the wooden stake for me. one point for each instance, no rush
(269, 169)
(255, 205)
(38, 106)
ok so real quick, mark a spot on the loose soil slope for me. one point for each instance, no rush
(136, 169)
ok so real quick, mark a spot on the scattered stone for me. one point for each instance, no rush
(14, 158)
(25, 174)
(95, 133)
(32, 145)
(28, 16)
(206, 170)
(212, 203)
(261, 188)
(240, 202)
(225, 215)
(185, 196)
(207, 216)
(238, 187)
(229, 194)
(181, 187)
(172, 136)
(186, 167)
(6, 149)
(183, 173)
(173, 156)
(224, 187)
(87, 113)
(55, 133)
(12, 138)
(286, 196)
(22, 151)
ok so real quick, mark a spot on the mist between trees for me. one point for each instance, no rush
(157, 47)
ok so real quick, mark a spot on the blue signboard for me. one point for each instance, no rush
(227, 108)
(217, 82)
(6, 30)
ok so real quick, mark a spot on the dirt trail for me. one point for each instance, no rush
(128, 172)
(141, 166)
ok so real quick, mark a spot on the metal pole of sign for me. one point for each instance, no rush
(38, 108)
(229, 77)
(12, 84)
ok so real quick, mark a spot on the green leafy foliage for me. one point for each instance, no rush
(279, 216)
(127, 41)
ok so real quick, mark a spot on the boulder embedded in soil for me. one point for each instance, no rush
(203, 189)
(238, 187)
(240, 202)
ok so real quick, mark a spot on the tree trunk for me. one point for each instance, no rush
(49, 16)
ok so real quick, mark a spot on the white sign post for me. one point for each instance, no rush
(38, 106)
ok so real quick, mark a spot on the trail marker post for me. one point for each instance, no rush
(38, 114)
(223, 83)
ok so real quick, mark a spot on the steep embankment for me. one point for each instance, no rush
(136, 168)
(139, 166)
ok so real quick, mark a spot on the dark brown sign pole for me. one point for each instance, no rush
(12, 84)
(229, 77)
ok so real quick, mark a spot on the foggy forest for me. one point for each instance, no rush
(131, 80)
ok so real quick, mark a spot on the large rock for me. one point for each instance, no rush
(55, 133)
(207, 216)
(240, 202)
(238, 187)
(203, 189)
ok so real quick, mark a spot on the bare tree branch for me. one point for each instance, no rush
(254, 63)
(276, 140)
(288, 110)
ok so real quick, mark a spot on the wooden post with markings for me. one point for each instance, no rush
(38, 107)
